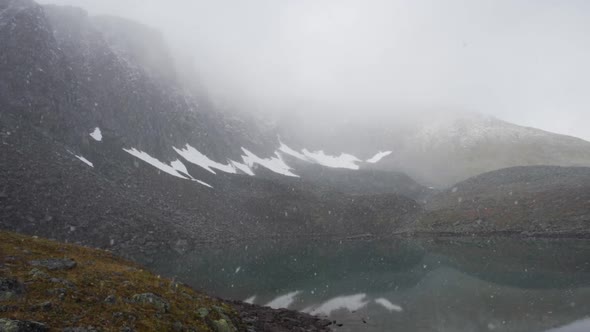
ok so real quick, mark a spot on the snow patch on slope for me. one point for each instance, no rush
(275, 164)
(154, 162)
(377, 157)
(196, 157)
(287, 150)
(179, 167)
(96, 134)
(343, 161)
(84, 160)
(176, 168)
(242, 167)
(203, 183)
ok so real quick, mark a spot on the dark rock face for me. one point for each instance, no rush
(65, 73)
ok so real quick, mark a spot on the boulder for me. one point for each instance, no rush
(10, 288)
(152, 299)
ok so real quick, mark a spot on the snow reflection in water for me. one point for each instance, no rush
(350, 303)
(283, 301)
(385, 303)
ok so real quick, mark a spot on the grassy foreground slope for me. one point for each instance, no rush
(50, 286)
(64, 285)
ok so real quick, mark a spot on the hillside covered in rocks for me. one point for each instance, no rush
(542, 200)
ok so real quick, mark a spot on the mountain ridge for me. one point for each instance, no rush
(175, 171)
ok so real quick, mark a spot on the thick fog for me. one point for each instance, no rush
(524, 61)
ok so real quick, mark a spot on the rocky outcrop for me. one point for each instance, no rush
(151, 299)
(280, 320)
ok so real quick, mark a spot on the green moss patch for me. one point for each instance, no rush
(62, 285)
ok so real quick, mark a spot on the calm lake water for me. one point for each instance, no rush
(467, 284)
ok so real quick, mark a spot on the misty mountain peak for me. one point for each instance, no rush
(16, 5)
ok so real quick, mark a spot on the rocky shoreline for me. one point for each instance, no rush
(261, 318)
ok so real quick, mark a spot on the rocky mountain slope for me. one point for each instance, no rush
(70, 75)
(47, 190)
(104, 142)
(123, 156)
(530, 200)
(48, 286)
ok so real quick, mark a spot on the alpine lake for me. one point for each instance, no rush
(405, 284)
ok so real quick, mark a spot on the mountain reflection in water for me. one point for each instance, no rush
(458, 284)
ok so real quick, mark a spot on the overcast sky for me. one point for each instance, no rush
(524, 61)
